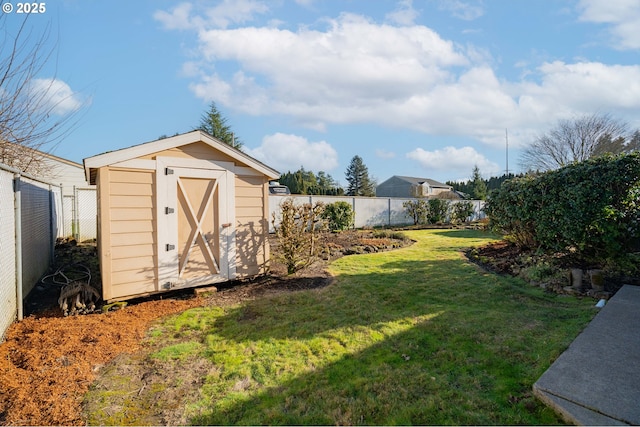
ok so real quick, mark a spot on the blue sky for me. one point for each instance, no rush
(419, 88)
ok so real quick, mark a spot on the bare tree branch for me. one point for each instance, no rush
(577, 140)
(34, 112)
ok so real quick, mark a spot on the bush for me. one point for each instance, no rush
(417, 210)
(591, 208)
(297, 234)
(339, 216)
(461, 211)
(438, 211)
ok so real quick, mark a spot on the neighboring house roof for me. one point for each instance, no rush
(20, 151)
(420, 181)
(111, 157)
(45, 166)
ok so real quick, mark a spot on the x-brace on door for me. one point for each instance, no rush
(195, 214)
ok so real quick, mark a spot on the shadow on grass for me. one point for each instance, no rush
(468, 354)
(390, 383)
(431, 373)
(404, 289)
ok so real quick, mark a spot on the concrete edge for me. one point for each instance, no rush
(574, 413)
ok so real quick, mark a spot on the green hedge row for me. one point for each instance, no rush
(590, 208)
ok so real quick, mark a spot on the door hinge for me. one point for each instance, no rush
(168, 171)
(170, 247)
(168, 210)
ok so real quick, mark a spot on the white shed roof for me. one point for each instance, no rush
(147, 148)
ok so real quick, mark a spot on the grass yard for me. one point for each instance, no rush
(414, 336)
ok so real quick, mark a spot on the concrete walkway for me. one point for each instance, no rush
(596, 381)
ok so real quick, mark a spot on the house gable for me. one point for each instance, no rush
(406, 186)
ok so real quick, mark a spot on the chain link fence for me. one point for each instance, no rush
(80, 212)
(8, 306)
(26, 242)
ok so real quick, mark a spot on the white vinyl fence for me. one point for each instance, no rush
(369, 211)
(80, 211)
(30, 217)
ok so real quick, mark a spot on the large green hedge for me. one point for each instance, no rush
(590, 208)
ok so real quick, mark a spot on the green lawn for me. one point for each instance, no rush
(414, 336)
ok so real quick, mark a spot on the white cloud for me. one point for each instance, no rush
(55, 96)
(622, 15)
(225, 13)
(585, 87)
(179, 18)
(355, 70)
(235, 12)
(286, 152)
(405, 14)
(465, 10)
(351, 72)
(454, 161)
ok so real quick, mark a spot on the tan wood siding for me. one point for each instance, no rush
(198, 150)
(130, 289)
(132, 229)
(134, 251)
(251, 226)
(133, 214)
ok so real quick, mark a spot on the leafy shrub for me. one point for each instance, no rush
(591, 208)
(430, 211)
(339, 216)
(416, 209)
(461, 211)
(297, 234)
(438, 210)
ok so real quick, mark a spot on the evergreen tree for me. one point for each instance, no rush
(357, 176)
(492, 183)
(306, 182)
(215, 125)
(478, 184)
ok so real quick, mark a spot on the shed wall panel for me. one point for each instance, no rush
(131, 202)
(251, 226)
(130, 239)
(130, 288)
(132, 214)
(128, 188)
(133, 226)
(132, 231)
(134, 251)
(135, 264)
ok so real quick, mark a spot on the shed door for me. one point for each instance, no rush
(195, 227)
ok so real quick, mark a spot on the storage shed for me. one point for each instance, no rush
(179, 212)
